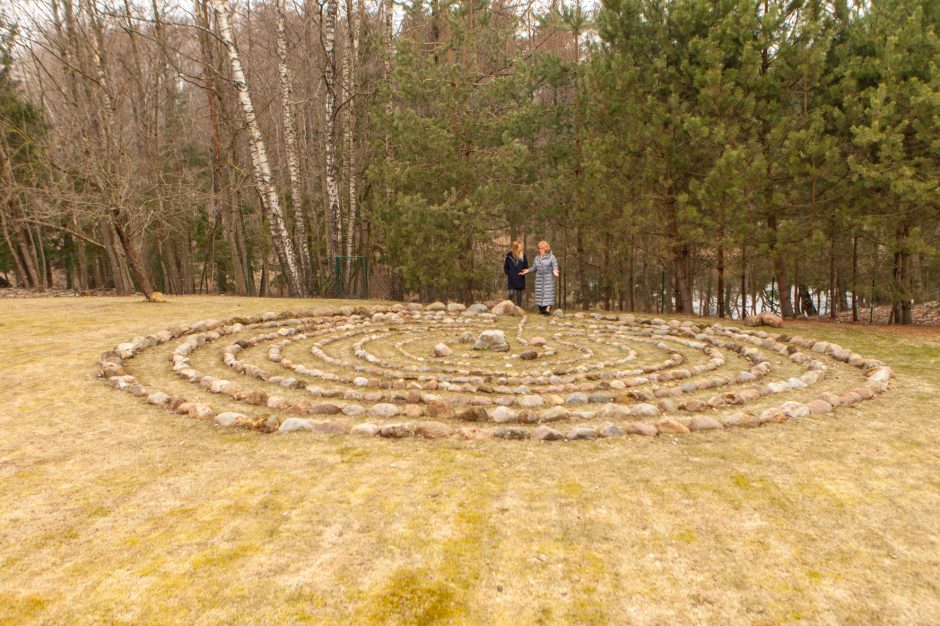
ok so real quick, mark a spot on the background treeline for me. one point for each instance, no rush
(712, 157)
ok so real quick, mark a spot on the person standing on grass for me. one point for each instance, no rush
(515, 262)
(546, 271)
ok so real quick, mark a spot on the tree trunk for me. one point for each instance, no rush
(721, 276)
(743, 280)
(334, 212)
(797, 303)
(219, 206)
(115, 259)
(583, 286)
(855, 277)
(19, 268)
(806, 299)
(631, 278)
(134, 264)
(350, 86)
(116, 214)
(645, 291)
(81, 257)
(706, 308)
(902, 276)
(780, 272)
(173, 266)
(39, 257)
(388, 33)
(242, 241)
(290, 146)
(99, 273)
(259, 155)
(608, 286)
(832, 275)
(28, 257)
(680, 259)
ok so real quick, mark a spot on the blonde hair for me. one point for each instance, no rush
(517, 249)
(545, 243)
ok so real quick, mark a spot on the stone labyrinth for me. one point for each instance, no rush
(451, 371)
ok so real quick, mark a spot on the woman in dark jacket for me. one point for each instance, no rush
(514, 264)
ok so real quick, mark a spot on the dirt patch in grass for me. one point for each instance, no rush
(114, 511)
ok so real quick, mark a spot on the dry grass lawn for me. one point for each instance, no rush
(113, 511)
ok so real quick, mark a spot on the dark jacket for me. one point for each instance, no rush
(512, 267)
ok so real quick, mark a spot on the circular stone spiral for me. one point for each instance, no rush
(411, 370)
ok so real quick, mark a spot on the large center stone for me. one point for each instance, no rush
(492, 340)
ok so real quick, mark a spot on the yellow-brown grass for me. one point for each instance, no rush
(113, 511)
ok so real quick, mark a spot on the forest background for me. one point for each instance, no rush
(714, 157)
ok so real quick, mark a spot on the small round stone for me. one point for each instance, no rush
(383, 409)
(703, 422)
(671, 426)
(503, 414)
(396, 431)
(296, 424)
(366, 429)
(582, 432)
(546, 433)
(433, 430)
(644, 410)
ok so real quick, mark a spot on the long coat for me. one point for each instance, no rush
(512, 267)
(543, 267)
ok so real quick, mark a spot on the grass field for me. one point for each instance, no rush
(113, 511)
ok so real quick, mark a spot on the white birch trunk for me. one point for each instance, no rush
(350, 85)
(290, 140)
(334, 214)
(259, 156)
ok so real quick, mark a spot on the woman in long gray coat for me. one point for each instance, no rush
(545, 267)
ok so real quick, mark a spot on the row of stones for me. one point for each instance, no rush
(184, 368)
(878, 376)
(503, 416)
(438, 365)
(439, 430)
(389, 373)
(665, 404)
(689, 387)
(443, 352)
(451, 384)
(439, 315)
(436, 429)
(113, 363)
(442, 363)
(459, 367)
(391, 370)
(836, 352)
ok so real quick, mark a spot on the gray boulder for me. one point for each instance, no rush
(492, 340)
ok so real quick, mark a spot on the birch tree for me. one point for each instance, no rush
(259, 156)
(349, 132)
(290, 145)
(334, 211)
